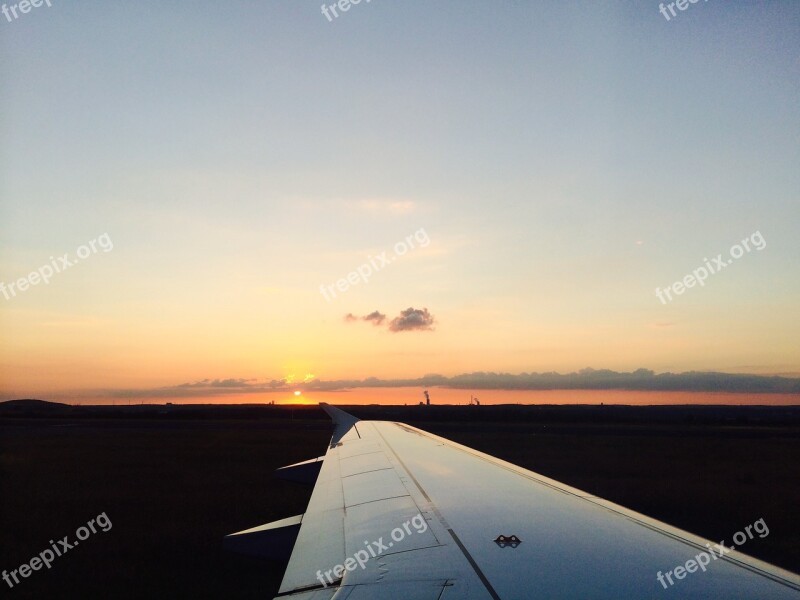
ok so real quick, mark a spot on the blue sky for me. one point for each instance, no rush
(565, 160)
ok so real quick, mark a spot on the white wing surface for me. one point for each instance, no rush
(400, 513)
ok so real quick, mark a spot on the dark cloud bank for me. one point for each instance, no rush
(585, 379)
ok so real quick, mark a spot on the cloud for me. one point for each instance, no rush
(217, 383)
(585, 379)
(204, 387)
(375, 317)
(412, 319)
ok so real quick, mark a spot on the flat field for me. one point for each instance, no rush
(174, 482)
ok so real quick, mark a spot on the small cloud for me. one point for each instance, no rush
(412, 319)
(376, 317)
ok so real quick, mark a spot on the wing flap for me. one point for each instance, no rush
(273, 541)
(305, 472)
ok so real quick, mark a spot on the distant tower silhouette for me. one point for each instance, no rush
(427, 398)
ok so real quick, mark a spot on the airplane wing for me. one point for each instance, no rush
(397, 512)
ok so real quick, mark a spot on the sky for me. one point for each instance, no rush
(518, 179)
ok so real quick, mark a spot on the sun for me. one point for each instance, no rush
(298, 393)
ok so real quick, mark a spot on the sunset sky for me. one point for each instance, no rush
(557, 162)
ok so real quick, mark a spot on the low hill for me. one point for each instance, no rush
(31, 406)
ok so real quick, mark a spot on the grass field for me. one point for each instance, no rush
(173, 487)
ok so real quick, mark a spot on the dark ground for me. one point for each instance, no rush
(173, 481)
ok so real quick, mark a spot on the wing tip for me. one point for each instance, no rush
(337, 415)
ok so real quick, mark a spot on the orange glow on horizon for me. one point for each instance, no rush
(413, 396)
